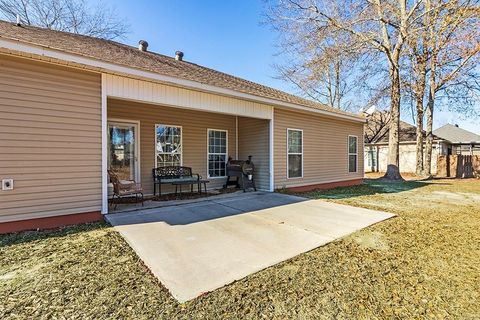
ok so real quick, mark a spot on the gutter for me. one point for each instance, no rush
(107, 67)
(466, 143)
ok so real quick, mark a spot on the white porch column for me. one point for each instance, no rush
(104, 147)
(272, 170)
(236, 137)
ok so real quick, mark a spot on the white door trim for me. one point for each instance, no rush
(136, 125)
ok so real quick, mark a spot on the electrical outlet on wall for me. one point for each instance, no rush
(7, 184)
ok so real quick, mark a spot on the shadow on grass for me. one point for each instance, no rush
(31, 236)
(370, 187)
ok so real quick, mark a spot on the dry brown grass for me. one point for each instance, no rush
(425, 263)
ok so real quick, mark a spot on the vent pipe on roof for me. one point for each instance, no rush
(19, 22)
(142, 45)
(179, 55)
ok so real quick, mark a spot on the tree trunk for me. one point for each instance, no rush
(419, 147)
(419, 93)
(331, 95)
(431, 96)
(429, 140)
(337, 84)
(429, 113)
(393, 170)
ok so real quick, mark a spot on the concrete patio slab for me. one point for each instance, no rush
(199, 247)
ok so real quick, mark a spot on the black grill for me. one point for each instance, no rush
(244, 171)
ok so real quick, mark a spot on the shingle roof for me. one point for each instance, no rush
(455, 134)
(118, 53)
(377, 129)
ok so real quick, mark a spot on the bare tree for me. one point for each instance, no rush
(74, 16)
(324, 74)
(439, 30)
(372, 25)
(454, 33)
(376, 126)
(326, 84)
(419, 57)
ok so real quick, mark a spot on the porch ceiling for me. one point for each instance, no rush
(150, 92)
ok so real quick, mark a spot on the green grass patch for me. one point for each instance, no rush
(370, 187)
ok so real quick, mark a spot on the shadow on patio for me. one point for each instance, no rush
(207, 209)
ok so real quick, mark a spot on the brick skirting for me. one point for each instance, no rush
(329, 185)
(50, 222)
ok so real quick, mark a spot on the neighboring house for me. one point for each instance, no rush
(460, 141)
(447, 140)
(376, 144)
(72, 106)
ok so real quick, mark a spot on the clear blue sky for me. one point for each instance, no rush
(224, 35)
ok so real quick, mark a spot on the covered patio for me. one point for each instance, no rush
(144, 136)
(148, 124)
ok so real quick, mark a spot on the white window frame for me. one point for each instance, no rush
(294, 153)
(372, 158)
(214, 153)
(352, 154)
(155, 142)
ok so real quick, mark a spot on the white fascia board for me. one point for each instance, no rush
(116, 68)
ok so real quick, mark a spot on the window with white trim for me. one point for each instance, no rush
(217, 153)
(372, 158)
(294, 153)
(168, 145)
(352, 153)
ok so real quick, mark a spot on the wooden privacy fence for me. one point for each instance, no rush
(458, 166)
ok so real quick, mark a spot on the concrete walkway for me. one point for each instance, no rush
(199, 247)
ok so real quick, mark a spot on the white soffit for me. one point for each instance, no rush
(157, 93)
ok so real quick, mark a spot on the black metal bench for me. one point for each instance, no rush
(171, 175)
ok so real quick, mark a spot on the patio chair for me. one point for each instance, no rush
(125, 188)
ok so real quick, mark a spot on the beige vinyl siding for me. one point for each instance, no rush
(50, 139)
(194, 130)
(325, 149)
(253, 139)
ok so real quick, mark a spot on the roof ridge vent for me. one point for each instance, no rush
(142, 45)
(179, 55)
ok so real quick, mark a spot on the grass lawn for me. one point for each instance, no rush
(425, 263)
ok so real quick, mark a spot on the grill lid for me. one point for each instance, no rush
(245, 166)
